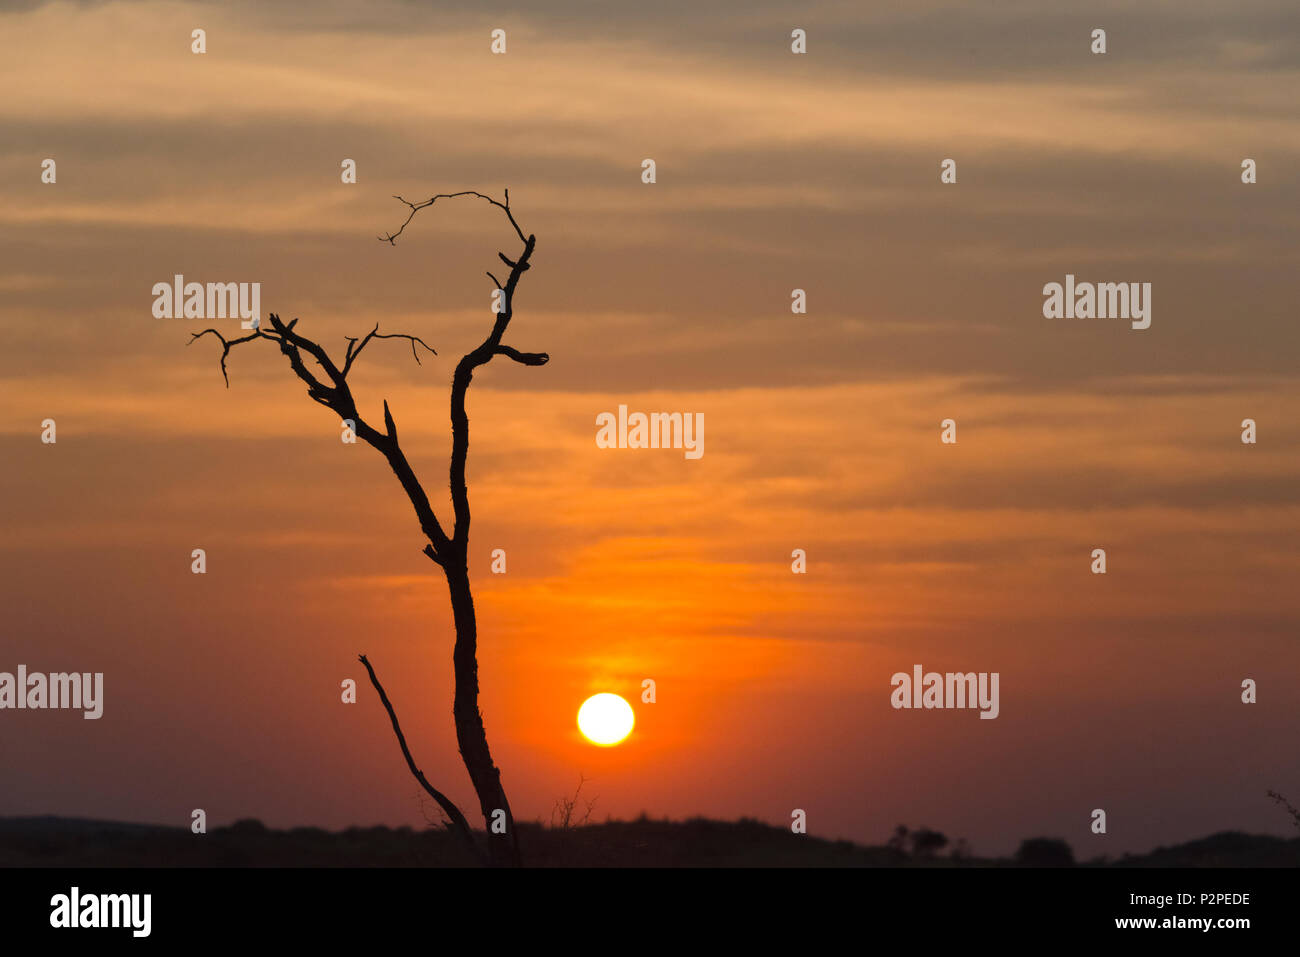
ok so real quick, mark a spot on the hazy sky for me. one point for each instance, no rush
(775, 172)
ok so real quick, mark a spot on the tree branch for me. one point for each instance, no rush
(226, 344)
(338, 398)
(527, 358)
(374, 333)
(461, 826)
(391, 238)
(460, 385)
(491, 346)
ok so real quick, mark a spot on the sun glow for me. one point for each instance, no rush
(606, 719)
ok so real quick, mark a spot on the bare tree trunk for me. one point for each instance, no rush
(471, 736)
(448, 552)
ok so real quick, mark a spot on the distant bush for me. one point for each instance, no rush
(571, 812)
(926, 843)
(1044, 852)
(923, 842)
(248, 825)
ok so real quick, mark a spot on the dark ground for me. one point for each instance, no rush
(68, 842)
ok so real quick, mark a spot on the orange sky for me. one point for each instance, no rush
(822, 431)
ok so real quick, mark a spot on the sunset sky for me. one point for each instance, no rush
(774, 172)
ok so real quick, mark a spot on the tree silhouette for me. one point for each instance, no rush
(927, 843)
(1044, 852)
(328, 385)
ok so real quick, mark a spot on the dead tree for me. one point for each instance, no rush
(327, 383)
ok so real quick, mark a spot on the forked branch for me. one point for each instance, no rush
(333, 391)
(354, 350)
(491, 346)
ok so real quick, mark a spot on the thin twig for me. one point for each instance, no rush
(416, 207)
(226, 344)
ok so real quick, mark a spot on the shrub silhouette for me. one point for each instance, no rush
(1044, 852)
(927, 843)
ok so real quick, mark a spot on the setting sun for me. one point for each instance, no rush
(606, 719)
